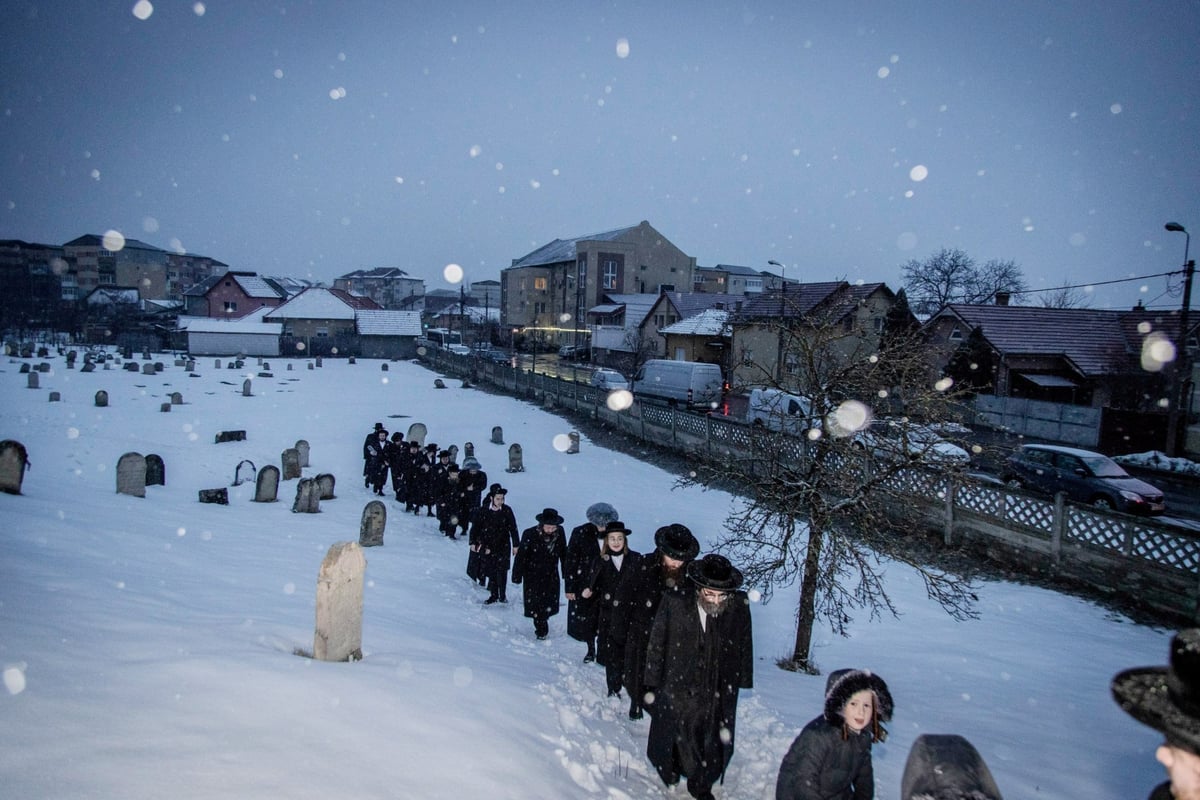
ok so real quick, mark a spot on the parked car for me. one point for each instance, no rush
(1084, 476)
(780, 411)
(691, 383)
(608, 379)
(898, 439)
(571, 352)
(496, 357)
(459, 349)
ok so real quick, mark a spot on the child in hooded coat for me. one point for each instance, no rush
(831, 758)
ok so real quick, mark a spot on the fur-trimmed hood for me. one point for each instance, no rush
(844, 683)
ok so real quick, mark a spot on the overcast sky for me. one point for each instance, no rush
(315, 138)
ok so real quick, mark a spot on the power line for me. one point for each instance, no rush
(1098, 283)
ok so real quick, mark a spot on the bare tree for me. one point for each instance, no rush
(1065, 297)
(823, 507)
(952, 276)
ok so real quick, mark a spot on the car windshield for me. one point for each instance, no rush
(1104, 467)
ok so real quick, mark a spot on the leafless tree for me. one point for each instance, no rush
(823, 507)
(952, 276)
(1064, 297)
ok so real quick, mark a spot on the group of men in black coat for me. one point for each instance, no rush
(673, 630)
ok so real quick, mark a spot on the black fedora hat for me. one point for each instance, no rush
(1167, 698)
(616, 526)
(549, 516)
(715, 572)
(497, 489)
(677, 542)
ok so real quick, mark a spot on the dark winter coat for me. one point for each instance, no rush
(472, 485)
(633, 614)
(606, 590)
(495, 532)
(820, 765)
(377, 464)
(396, 454)
(583, 559)
(536, 568)
(695, 675)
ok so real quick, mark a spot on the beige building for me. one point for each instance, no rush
(548, 292)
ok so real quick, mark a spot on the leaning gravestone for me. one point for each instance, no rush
(515, 463)
(266, 488)
(340, 604)
(243, 472)
(416, 433)
(13, 461)
(101, 399)
(131, 475)
(231, 436)
(325, 483)
(573, 445)
(308, 497)
(290, 459)
(25, 369)
(90, 366)
(302, 449)
(33, 380)
(374, 520)
(156, 470)
(218, 496)
(497, 435)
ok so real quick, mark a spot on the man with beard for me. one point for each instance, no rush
(638, 599)
(543, 550)
(699, 656)
(583, 559)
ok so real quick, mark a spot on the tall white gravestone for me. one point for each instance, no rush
(340, 604)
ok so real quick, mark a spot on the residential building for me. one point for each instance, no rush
(390, 287)
(387, 333)
(547, 292)
(703, 337)
(32, 285)
(185, 270)
(320, 321)
(731, 279)
(233, 295)
(134, 264)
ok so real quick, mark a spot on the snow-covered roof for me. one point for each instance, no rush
(388, 323)
(254, 285)
(313, 303)
(711, 322)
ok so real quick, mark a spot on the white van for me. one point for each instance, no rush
(780, 411)
(679, 382)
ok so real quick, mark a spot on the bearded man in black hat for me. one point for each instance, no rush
(540, 556)
(1168, 700)
(699, 656)
(638, 599)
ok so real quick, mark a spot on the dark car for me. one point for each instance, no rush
(497, 357)
(1083, 476)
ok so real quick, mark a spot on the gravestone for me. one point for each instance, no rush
(302, 449)
(340, 604)
(468, 450)
(383, 367)
(156, 470)
(43, 367)
(145, 355)
(438, 383)
(374, 520)
(131, 475)
(217, 364)
(159, 366)
(13, 462)
(266, 488)
(55, 397)
(101, 398)
(42, 352)
(90, 366)
(176, 398)
(290, 365)
(165, 407)
(497, 435)
(131, 366)
(243, 472)
(515, 463)
(416, 433)
(453, 450)
(291, 463)
(231, 436)
(308, 497)
(148, 369)
(179, 362)
(266, 365)
(246, 388)
(259, 361)
(351, 360)
(310, 365)
(189, 365)
(71, 356)
(325, 483)
(573, 446)
(319, 364)
(33, 380)
(218, 496)
(25, 368)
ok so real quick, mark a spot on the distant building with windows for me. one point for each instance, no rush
(730, 279)
(390, 287)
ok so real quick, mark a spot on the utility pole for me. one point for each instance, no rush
(1177, 420)
(782, 320)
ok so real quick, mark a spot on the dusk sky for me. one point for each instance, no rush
(315, 138)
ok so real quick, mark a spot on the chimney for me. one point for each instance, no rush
(1002, 298)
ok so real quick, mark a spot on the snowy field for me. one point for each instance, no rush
(147, 643)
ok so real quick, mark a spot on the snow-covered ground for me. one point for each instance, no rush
(147, 645)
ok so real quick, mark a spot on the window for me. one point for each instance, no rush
(747, 356)
(322, 331)
(539, 308)
(956, 335)
(230, 307)
(539, 284)
(609, 271)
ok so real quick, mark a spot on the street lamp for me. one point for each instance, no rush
(1182, 385)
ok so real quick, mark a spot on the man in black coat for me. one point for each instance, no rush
(472, 481)
(369, 444)
(543, 551)
(699, 656)
(494, 539)
(638, 599)
(583, 559)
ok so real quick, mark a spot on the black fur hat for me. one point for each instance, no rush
(677, 542)
(844, 683)
(1167, 698)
